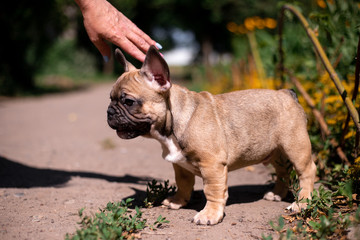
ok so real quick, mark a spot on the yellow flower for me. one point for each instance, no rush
(331, 121)
(249, 24)
(332, 99)
(349, 134)
(231, 27)
(270, 23)
(321, 3)
(242, 29)
(259, 23)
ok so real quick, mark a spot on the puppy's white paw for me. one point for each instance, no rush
(296, 207)
(208, 217)
(174, 203)
(270, 196)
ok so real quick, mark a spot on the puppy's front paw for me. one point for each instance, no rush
(174, 202)
(270, 196)
(296, 207)
(208, 216)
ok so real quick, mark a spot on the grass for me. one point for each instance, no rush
(331, 212)
(117, 221)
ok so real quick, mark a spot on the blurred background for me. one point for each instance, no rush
(214, 45)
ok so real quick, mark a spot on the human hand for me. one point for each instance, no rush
(103, 22)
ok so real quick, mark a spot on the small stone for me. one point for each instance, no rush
(36, 218)
(19, 194)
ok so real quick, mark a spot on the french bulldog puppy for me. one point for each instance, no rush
(209, 135)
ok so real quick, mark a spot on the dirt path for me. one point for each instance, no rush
(57, 155)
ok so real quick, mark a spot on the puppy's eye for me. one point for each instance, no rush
(129, 102)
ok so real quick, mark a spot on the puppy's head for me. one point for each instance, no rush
(139, 96)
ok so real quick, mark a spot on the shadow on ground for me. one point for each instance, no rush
(16, 175)
(237, 195)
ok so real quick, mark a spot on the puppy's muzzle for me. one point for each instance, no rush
(111, 118)
(126, 127)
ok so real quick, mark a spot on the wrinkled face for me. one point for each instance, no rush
(138, 97)
(134, 106)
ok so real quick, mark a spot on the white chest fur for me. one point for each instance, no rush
(171, 150)
(173, 153)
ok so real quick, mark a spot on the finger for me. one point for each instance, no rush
(131, 49)
(140, 34)
(138, 41)
(99, 43)
(103, 48)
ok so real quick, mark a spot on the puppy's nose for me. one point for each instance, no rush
(111, 111)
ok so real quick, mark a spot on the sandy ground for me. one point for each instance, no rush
(57, 155)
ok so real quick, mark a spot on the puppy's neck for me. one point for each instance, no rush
(170, 146)
(165, 134)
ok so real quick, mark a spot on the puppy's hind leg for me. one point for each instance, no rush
(299, 154)
(281, 188)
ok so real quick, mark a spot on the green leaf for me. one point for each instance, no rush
(314, 225)
(266, 237)
(81, 211)
(280, 226)
(345, 189)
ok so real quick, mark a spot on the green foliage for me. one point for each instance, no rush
(321, 201)
(337, 27)
(159, 222)
(156, 192)
(328, 215)
(64, 58)
(324, 227)
(115, 221)
(278, 227)
(28, 29)
(328, 225)
(340, 182)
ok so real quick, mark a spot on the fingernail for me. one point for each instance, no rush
(106, 58)
(158, 45)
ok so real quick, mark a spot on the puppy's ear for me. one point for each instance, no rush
(122, 60)
(156, 70)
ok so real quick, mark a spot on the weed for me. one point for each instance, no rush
(280, 228)
(320, 203)
(115, 221)
(159, 222)
(156, 192)
(328, 215)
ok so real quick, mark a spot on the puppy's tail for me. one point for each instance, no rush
(293, 94)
